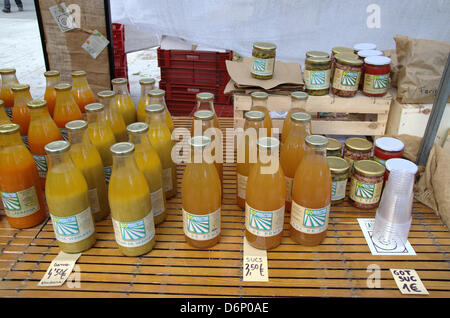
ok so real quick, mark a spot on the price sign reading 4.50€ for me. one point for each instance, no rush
(408, 282)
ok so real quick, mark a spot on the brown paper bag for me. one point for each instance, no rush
(421, 63)
(395, 70)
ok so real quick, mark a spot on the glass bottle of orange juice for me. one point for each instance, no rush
(298, 104)
(124, 102)
(4, 119)
(81, 91)
(42, 130)
(311, 194)
(161, 140)
(148, 162)
(20, 188)
(113, 117)
(259, 102)
(293, 149)
(204, 120)
(66, 109)
(87, 159)
(157, 96)
(147, 84)
(51, 79)
(200, 197)
(205, 100)
(101, 135)
(68, 200)
(20, 111)
(253, 130)
(129, 199)
(265, 197)
(8, 79)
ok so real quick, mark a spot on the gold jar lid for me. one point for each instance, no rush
(137, 128)
(63, 87)
(349, 59)
(9, 70)
(259, 95)
(369, 168)
(94, 107)
(341, 49)
(119, 80)
(51, 73)
(300, 117)
(358, 144)
(106, 94)
(317, 54)
(154, 108)
(199, 141)
(58, 146)
(20, 87)
(147, 81)
(299, 95)
(37, 103)
(265, 46)
(76, 125)
(316, 141)
(205, 96)
(78, 73)
(317, 60)
(7, 129)
(122, 148)
(333, 144)
(157, 92)
(254, 115)
(337, 164)
(203, 115)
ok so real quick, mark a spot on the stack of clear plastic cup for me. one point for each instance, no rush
(393, 217)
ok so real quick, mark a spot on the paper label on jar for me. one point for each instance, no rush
(157, 198)
(136, 233)
(317, 80)
(167, 179)
(241, 185)
(310, 221)
(93, 200)
(376, 84)
(365, 193)
(289, 185)
(107, 171)
(346, 80)
(20, 204)
(338, 189)
(264, 223)
(201, 227)
(41, 164)
(262, 67)
(75, 228)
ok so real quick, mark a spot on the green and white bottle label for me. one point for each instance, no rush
(157, 198)
(75, 228)
(201, 227)
(310, 221)
(107, 171)
(262, 67)
(338, 189)
(20, 204)
(264, 223)
(41, 164)
(317, 80)
(64, 134)
(136, 233)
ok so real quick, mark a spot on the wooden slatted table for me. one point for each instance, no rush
(336, 268)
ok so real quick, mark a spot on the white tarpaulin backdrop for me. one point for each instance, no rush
(294, 25)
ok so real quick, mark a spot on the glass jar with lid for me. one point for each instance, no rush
(364, 46)
(263, 63)
(366, 184)
(317, 54)
(334, 148)
(347, 75)
(387, 148)
(376, 75)
(356, 148)
(317, 75)
(339, 175)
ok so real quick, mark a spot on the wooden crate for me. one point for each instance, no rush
(369, 117)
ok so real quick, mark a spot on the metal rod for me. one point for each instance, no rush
(437, 111)
(37, 8)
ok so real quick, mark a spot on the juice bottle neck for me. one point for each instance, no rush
(299, 129)
(96, 118)
(63, 158)
(106, 101)
(316, 151)
(298, 105)
(79, 81)
(121, 89)
(52, 81)
(79, 136)
(140, 139)
(208, 105)
(125, 163)
(39, 113)
(156, 119)
(145, 89)
(256, 102)
(157, 100)
(22, 97)
(13, 139)
(9, 79)
(64, 96)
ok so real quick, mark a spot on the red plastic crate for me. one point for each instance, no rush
(118, 36)
(187, 108)
(182, 92)
(194, 76)
(193, 59)
(120, 61)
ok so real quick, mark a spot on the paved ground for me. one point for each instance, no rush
(20, 47)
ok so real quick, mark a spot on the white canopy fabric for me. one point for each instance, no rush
(296, 26)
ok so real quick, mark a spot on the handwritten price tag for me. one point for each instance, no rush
(408, 282)
(59, 270)
(255, 267)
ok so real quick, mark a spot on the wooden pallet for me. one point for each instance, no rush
(336, 268)
(368, 117)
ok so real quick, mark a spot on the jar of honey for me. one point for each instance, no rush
(366, 184)
(387, 148)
